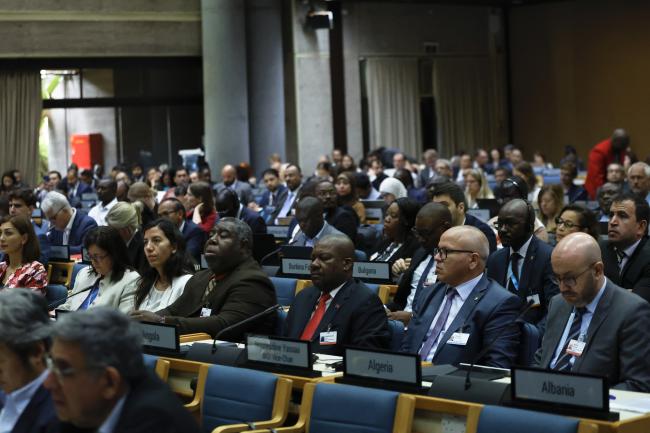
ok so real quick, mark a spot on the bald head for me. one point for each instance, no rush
(341, 245)
(331, 262)
(435, 211)
(579, 249)
(430, 223)
(620, 140)
(309, 214)
(516, 223)
(472, 239)
(228, 174)
(463, 251)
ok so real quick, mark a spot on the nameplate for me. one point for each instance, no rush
(159, 336)
(562, 389)
(371, 271)
(89, 196)
(59, 252)
(279, 232)
(296, 266)
(374, 213)
(482, 214)
(274, 351)
(382, 366)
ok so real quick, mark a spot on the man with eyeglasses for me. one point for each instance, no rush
(173, 210)
(594, 326)
(98, 380)
(465, 311)
(524, 265)
(69, 225)
(626, 252)
(430, 223)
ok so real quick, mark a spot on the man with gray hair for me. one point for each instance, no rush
(24, 336)
(638, 177)
(69, 225)
(464, 311)
(98, 380)
(232, 289)
(125, 218)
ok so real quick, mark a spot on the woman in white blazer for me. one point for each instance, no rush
(167, 268)
(108, 281)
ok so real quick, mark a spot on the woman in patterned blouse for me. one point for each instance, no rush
(19, 244)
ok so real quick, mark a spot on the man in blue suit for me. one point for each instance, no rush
(228, 205)
(195, 238)
(76, 188)
(69, 225)
(274, 188)
(524, 265)
(465, 311)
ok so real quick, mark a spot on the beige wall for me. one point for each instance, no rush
(579, 70)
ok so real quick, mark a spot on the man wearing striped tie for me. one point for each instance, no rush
(594, 326)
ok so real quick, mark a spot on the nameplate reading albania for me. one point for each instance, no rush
(277, 351)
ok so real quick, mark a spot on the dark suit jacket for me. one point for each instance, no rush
(39, 416)
(195, 239)
(282, 197)
(408, 248)
(487, 314)
(80, 226)
(245, 291)
(404, 287)
(471, 220)
(355, 313)
(254, 220)
(345, 220)
(577, 193)
(135, 250)
(616, 344)
(636, 274)
(535, 277)
(264, 201)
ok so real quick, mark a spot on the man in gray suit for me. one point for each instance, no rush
(594, 326)
(309, 214)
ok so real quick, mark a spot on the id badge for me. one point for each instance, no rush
(206, 312)
(575, 347)
(327, 338)
(458, 339)
(535, 299)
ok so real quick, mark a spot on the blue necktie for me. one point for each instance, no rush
(440, 323)
(91, 296)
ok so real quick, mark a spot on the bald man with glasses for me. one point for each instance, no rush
(594, 326)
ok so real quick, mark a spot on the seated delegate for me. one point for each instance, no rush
(21, 249)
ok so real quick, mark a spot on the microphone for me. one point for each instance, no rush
(468, 382)
(243, 322)
(52, 304)
(269, 255)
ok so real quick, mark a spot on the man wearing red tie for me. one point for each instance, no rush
(336, 311)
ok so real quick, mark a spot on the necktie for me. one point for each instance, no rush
(308, 332)
(440, 323)
(513, 282)
(286, 207)
(620, 255)
(423, 278)
(563, 363)
(211, 285)
(91, 296)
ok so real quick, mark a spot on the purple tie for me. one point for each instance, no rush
(440, 323)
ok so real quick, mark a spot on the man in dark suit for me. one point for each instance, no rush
(626, 252)
(274, 188)
(336, 311)
(452, 196)
(572, 192)
(343, 218)
(313, 227)
(172, 209)
(69, 225)
(228, 205)
(524, 265)
(98, 380)
(229, 180)
(428, 173)
(287, 199)
(595, 327)
(76, 188)
(432, 220)
(233, 288)
(464, 311)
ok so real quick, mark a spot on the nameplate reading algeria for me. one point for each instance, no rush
(380, 365)
(275, 351)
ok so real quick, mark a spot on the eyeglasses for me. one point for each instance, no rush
(97, 257)
(444, 252)
(568, 224)
(569, 281)
(53, 217)
(63, 373)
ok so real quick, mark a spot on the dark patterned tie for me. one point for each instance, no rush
(440, 323)
(563, 363)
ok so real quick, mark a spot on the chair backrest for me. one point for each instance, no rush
(157, 365)
(55, 294)
(396, 334)
(75, 270)
(344, 408)
(237, 395)
(285, 289)
(360, 256)
(530, 341)
(279, 323)
(382, 290)
(508, 420)
(60, 273)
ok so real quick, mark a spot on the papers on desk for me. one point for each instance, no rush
(325, 363)
(631, 404)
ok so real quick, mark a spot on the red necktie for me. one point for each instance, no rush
(311, 327)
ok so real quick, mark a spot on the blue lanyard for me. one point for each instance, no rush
(91, 296)
(515, 281)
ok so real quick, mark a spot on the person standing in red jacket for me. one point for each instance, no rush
(603, 154)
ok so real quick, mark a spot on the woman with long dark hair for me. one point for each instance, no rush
(200, 203)
(21, 249)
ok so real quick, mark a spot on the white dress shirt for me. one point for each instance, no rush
(17, 401)
(156, 299)
(109, 424)
(99, 211)
(68, 228)
(417, 274)
(628, 253)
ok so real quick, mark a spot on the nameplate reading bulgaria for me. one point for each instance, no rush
(381, 365)
(159, 336)
(296, 266)
(371, 270)
(275, 351)
(557, 388)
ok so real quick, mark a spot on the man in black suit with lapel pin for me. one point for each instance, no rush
(595, 326)
(336, 311)
(524, 265)
(465, 311)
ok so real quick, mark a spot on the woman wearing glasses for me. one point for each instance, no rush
(576, 218)
(21, 249)
(108, 281)
(167, 269)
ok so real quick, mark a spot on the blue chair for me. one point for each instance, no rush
(530, 341)
(156, 365)
(508, 420)
(75, 270)
(328, 408)
(279, 324)
(285, 289)
(397, 332)
(55, 294)
(239, 399)
(360, 256)
(380, 290)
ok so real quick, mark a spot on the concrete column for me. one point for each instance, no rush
(265, 81)
(225, 83)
